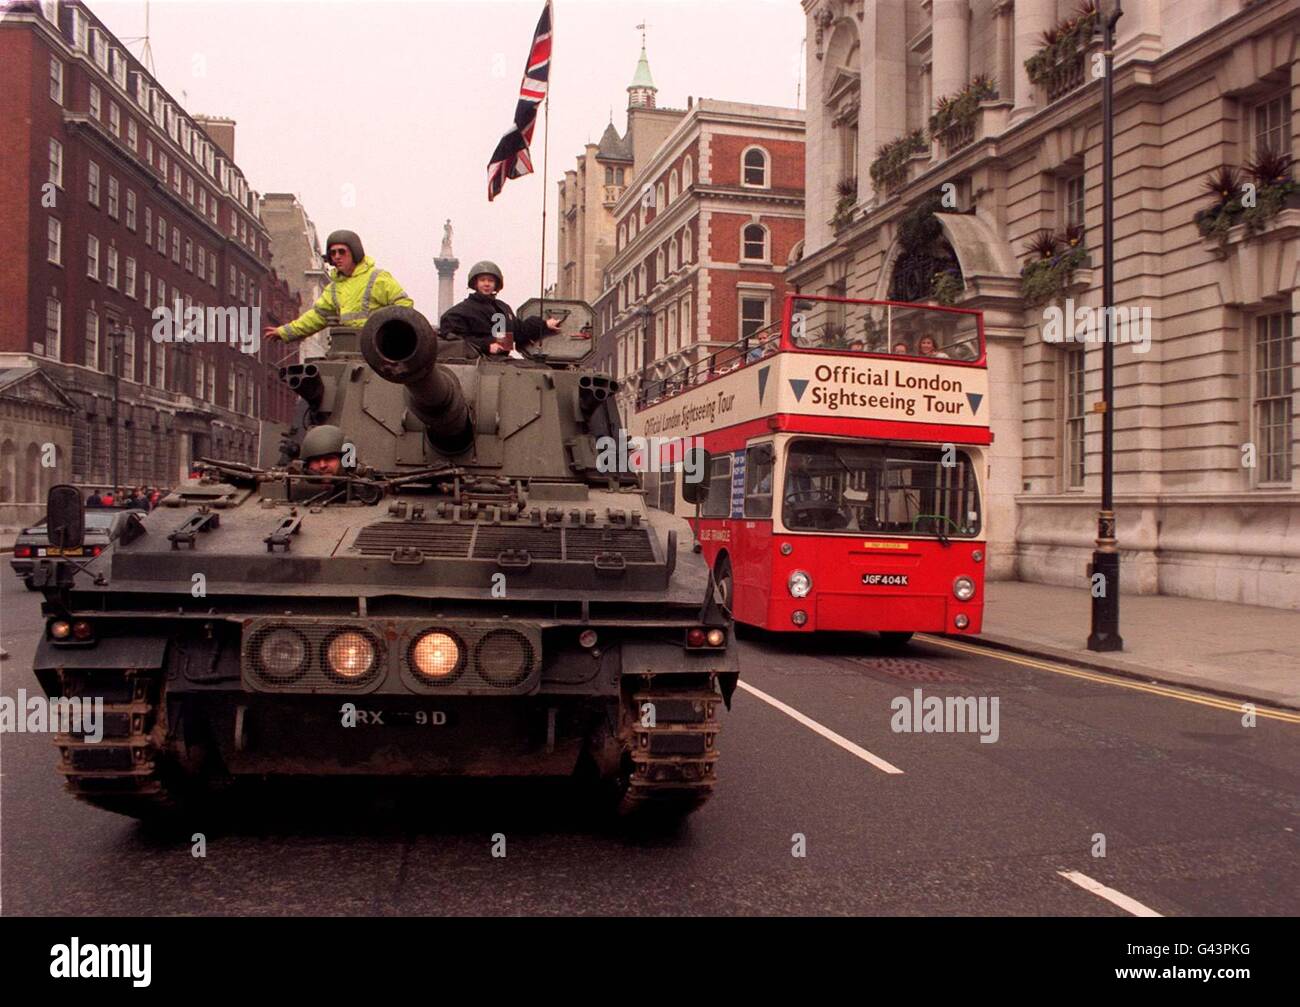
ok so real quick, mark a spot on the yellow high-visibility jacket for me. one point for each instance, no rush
(349, 299)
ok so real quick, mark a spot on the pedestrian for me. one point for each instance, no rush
(154, 497)
(95, 500)
(484, 322)
(356, 288)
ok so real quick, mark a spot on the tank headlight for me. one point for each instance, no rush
(282, 655)
(60, 630)
(716, 638)
(350, 655)
(963, 588)
(799, 584)
(437, 656)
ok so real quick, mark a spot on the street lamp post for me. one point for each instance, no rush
(115, 336)
(1105, 558)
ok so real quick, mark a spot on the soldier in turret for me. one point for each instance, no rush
(323, 449)
(483, 321)
(356, 288)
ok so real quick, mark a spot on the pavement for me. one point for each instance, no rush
(1241, 651)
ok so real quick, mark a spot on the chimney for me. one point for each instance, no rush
(222, 131)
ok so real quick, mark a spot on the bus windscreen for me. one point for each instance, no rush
(880, 489)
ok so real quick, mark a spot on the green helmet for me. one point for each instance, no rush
(322, 441)
(491, 268)
(350, 239)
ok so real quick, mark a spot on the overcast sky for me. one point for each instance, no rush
(405, 101)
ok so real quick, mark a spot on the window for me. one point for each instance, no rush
(176, 177)
(92, 257)
(754, 243)
(673, 186)
(160, 365)
(212, 271)
(203, 201)
(162, 236)
(132, 134)
(660, 349)
(642, 287)
(176, 245)
(56, 162)
(162, 292)
(92, 184)
(686, 246)
(759, 466)
(753, 314)
(1073, 201)
(96, 108)
(243, 287)
(91, 358)
(230, 389)
(660, 201)
(148, 152)
(1273, 125)
(189, 255)
(609, 176)
(148, 289)
(688, 336)
(718, 502)
(1074, 418)
(202, 268)
(622, 235)
(189, 189)
(672, 346)
(128, 353)
(130, 209)
(661, 270)
(212, 384)
(1274, 384)
(53, 328)
(130, 277)
(672, 256)
(113, 201)
(688, 173)
(754, 168)
(148, 226)
(114, 119)
(110, 275)
(56, 81)
(162, 165)
(198, 378)
(232, 281)
(146, 362)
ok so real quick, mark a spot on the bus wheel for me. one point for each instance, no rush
(727, 585)
(895, 641)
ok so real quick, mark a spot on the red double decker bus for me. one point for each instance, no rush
(846, 449)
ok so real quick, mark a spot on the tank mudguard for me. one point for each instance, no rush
(653, 658)
(114, 652)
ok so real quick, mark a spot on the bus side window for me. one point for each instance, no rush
(758, 481)
(718, 502)
(668, 491)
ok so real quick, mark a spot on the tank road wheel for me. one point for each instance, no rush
(132, 770)
(669, 769)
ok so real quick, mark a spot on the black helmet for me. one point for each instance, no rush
(492, 269)
(322, 441)
(348, 238)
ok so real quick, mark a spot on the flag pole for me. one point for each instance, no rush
(546, 150)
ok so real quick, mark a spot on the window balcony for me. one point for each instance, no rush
(612, 194)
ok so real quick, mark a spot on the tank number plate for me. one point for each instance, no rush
(401, 718)
(886, 579)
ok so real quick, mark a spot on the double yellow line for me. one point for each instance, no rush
(1217, 702)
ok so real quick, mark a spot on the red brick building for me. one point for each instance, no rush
(703, 239)
(125, 204)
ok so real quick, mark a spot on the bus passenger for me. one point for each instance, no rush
(927, 348)
(900, 347)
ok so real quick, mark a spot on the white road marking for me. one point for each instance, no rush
(1109, 894)
(825, 732)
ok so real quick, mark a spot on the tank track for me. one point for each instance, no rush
(674, 759)
(127, 771)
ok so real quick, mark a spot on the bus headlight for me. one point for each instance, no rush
(799, 584)
(963, 588)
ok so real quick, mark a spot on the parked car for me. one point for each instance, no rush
(102, 527)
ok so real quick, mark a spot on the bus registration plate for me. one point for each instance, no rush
(885, 579)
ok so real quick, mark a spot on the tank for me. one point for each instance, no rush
(462, 590)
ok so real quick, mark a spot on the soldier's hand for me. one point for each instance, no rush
(496, 348)
(271, 332)
(553, 324)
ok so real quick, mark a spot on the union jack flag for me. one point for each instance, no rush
(511, 159)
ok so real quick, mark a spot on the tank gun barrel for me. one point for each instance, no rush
(401, 346)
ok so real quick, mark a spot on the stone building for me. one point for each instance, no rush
(960, 107)
(295, 250)
(702, 240)
(35, 443)
(125, 205)
(590, 191)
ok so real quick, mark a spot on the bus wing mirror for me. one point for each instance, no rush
(697, 470)
(66, 517)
